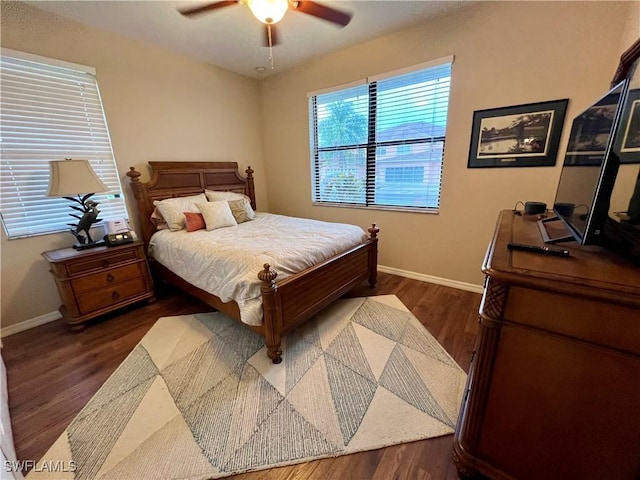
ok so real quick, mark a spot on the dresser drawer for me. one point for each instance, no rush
(106, 278)
(609, 324)
(103, 261)
(90, 301)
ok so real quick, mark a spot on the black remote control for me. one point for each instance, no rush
(558, 252)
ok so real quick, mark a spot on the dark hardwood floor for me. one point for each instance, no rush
(53, 372)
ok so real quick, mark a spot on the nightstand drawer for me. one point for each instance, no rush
(102, 262)
(113, 278)
(106, 297)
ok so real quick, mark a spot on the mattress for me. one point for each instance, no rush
(225, 262)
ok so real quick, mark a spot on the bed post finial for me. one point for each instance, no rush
(272, 317)
(373, 231)
(133, 174)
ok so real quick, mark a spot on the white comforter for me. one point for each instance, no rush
(225, 262)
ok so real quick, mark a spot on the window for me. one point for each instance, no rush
(49, 110)
(380, 142)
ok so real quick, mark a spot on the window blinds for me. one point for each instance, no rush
(49, 111)
(382, 143)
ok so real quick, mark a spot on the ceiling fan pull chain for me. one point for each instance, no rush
(270, 45)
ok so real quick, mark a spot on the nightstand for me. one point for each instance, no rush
(99, 280)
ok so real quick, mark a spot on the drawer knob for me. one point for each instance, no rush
(115, 295)
(110, 278)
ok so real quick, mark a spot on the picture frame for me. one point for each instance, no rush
(517, 136)
(627, 143)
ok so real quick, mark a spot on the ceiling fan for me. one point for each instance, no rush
(271, 12)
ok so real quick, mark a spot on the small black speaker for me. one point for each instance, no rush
(535, 208)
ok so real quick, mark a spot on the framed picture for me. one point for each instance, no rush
(518, 136)
(627, 142)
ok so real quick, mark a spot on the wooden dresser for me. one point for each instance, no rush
(96, 281)
(554, 386)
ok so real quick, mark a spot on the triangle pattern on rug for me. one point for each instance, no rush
(256, 399)
(303, 441)
(401, 378)
(351, 393)
(302, 351)
(155, 410)
(198, 397)
(311, 397)
(376, 348)
(382, 319)
(346, 348)
(150, 460)
(201, 370)
(211, 412)
(389, 417)
(418, 338)
(98, 426)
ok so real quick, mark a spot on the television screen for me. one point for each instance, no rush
(590, 168)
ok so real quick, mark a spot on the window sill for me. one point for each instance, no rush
(378, 207)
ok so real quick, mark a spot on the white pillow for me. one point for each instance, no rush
(172, 209)
(216, 214)
(214, 196)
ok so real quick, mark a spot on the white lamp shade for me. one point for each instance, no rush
(73, 177)
(268, 11)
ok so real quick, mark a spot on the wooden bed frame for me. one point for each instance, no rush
(285, 304)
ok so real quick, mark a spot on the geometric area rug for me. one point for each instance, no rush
(198, 398)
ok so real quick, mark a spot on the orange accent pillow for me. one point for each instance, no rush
(194, 221)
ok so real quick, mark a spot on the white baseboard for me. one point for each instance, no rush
(470, 287)
(27, 324)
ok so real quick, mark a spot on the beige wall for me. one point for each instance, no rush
(162, 106)
(506, 53)
(158, 105)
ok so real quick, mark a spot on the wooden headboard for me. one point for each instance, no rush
(180, 179)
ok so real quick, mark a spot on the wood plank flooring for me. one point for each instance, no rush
(53, 372)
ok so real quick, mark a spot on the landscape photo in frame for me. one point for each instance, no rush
(517, 136)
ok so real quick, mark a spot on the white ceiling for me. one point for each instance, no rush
(233, 39)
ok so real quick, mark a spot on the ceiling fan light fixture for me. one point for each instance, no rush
(268, 11)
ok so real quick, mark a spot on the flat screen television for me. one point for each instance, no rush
(589, 171)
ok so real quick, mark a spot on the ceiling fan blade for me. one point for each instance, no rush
(322, 11)
(187, 12)
(275, 40)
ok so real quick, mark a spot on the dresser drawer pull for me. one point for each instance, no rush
(110, 278)
(115, 295)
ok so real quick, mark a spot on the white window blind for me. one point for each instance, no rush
(381, 144)
(50, 110)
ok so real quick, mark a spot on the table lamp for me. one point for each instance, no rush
(76, 177)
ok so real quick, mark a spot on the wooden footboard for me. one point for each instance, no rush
(286, 304)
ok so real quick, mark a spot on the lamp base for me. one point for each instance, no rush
(84, 246)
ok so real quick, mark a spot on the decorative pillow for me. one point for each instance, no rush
(241, 210)
(216, 214)
(215, 196)
(194, 221)
(172, 209)
(158, 220)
